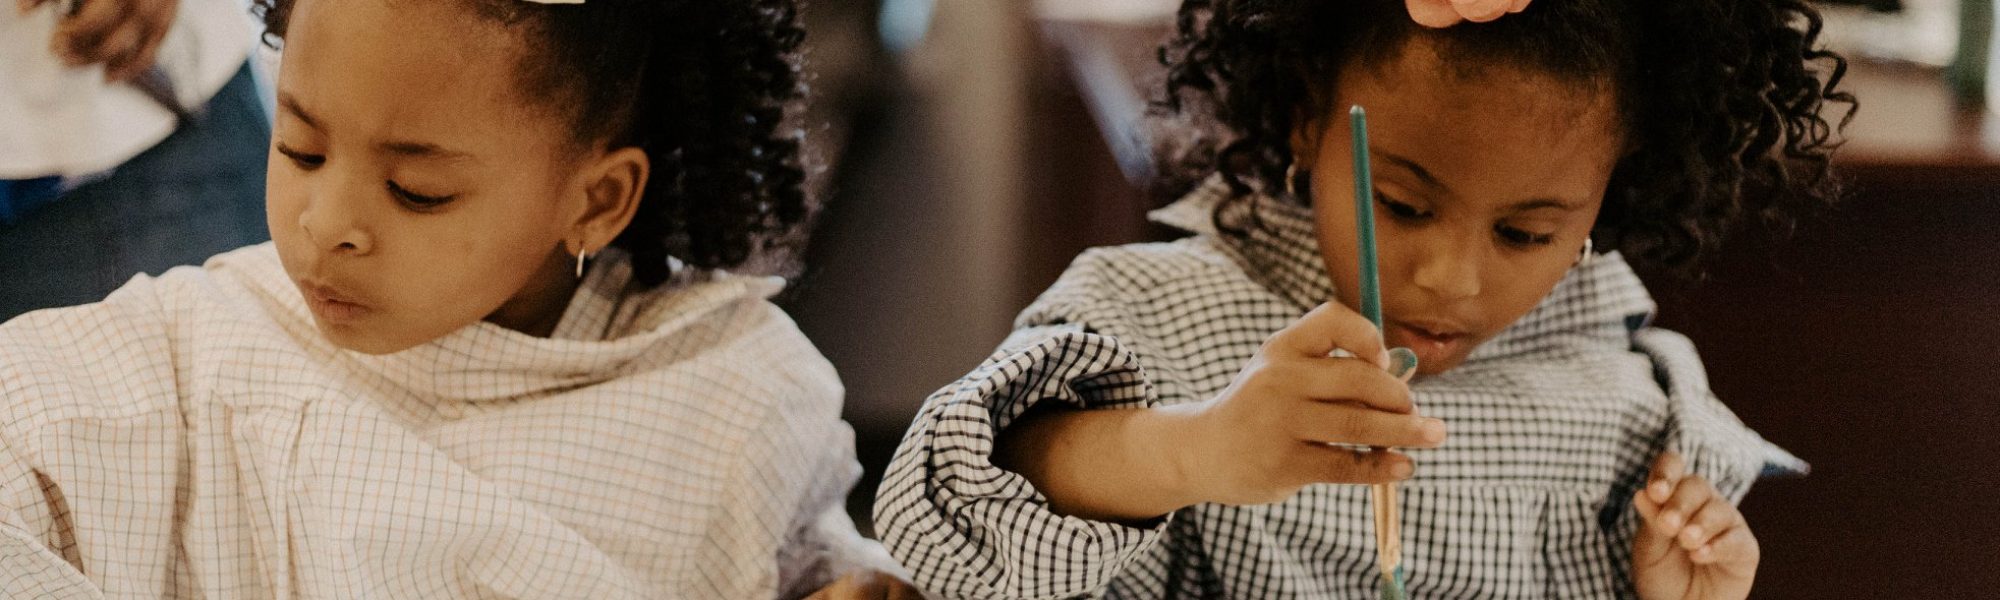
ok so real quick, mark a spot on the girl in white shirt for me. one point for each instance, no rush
(491, 350)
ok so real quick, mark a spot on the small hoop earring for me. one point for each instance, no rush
(580, 257)
(1583, 259)
(1292, 179)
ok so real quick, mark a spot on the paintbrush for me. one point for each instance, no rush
(1382, 496)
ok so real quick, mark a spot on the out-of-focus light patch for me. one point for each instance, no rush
(903, 23)
(1134, 12)
(1924, 32)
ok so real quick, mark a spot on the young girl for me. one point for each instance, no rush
(490, 352)
(1159, 421)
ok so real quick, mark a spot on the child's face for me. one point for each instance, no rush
(1488, 186)
(411, 191)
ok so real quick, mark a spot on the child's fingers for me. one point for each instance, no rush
(1711, 521)
(1689, 497)
(1649, 546)
(1330, 464)
(1349, 424)
(1734, 546)
(1335, 379)
(1432, 13)
(1648, 508)
(1332, 326)
(1666, 474)
(1481, 11)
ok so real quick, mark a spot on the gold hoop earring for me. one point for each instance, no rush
(1583, 258)
(580, 257)
(1292, 179)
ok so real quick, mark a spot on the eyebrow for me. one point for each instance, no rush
(420, 150)
(1432, 181)
(1411, 165)
(291, 104)
(1528, 205)
(397, 147)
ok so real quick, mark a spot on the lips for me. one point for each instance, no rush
(331, 304)
(1432, 340)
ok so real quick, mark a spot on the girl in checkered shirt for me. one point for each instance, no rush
(493, 349)
(1165, 420)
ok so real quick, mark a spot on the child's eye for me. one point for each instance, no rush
(420, 201)
(1518, 237)
(303, 160)
(1401, 210)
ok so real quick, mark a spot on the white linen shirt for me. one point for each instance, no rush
(194, 436)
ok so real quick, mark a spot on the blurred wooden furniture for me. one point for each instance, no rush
(1866, 344)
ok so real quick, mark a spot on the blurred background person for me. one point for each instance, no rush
(131, 140)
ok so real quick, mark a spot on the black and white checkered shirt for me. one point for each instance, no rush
(1554, 422)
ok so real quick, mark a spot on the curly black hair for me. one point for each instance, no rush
(1723, 102)
(706, 88)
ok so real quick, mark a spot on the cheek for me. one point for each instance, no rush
(475, 260)
(281, 189)
(1338, 248)
(284, 200)
(1520, 284)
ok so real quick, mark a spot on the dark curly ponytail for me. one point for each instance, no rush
(704, 86)
(1723, 101)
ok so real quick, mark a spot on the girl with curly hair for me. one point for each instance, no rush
(495, 348)
(1166, 420)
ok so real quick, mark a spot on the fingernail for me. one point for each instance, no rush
(1383, 360)
(1703, 555)
(1671, 519)
(1433, 430)
(1660, 491)
(1402, 470)
(1402, 363)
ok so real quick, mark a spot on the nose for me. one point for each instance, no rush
(333, 221)
(1447, 269)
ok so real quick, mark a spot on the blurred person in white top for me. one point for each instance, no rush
(131, 140)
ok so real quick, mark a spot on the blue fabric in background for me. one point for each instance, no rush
(198, 193)
(22, 196)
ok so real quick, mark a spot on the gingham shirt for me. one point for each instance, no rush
(1554, 422)
(194, 436)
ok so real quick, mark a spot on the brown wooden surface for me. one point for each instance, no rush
(1865, 344)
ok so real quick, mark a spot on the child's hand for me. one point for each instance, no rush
(867, 585)
(123, 35)
(1445, 13)
(1266, 435)
(1693, 544)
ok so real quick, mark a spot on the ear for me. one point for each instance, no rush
(612, 185)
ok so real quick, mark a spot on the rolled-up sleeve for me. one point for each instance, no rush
(968, 529)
